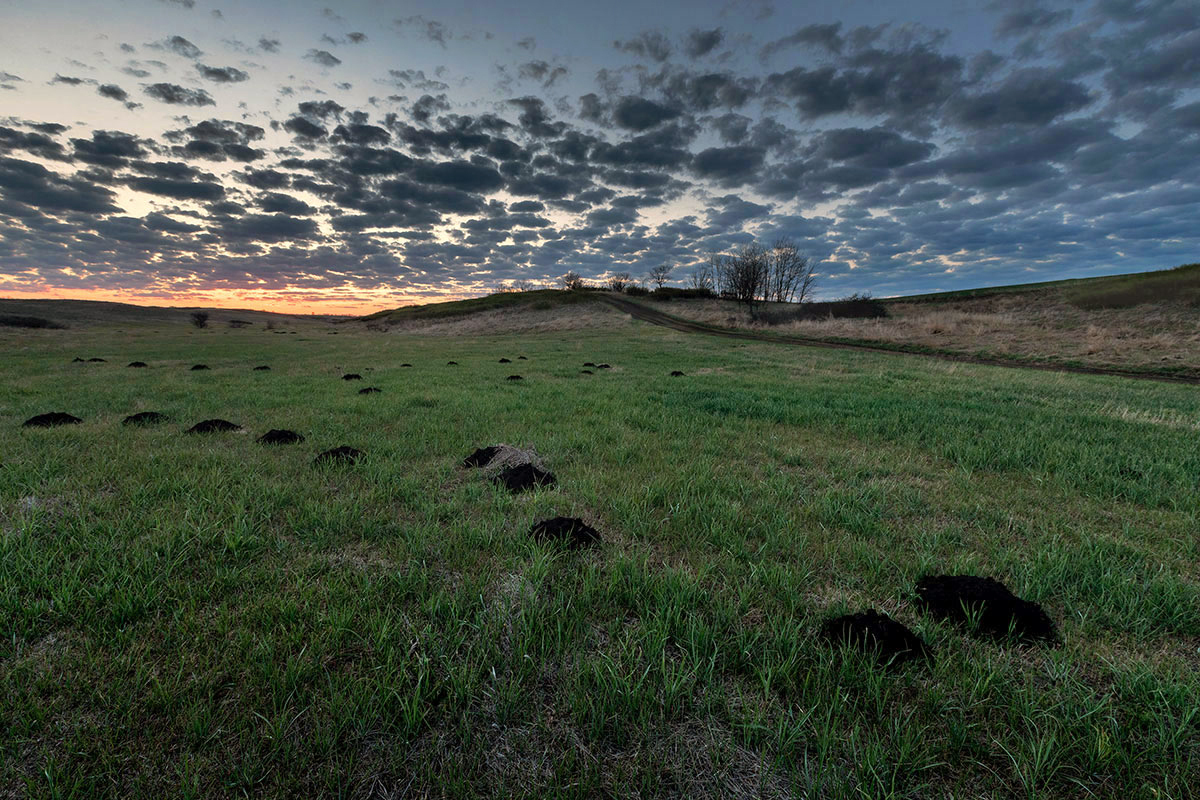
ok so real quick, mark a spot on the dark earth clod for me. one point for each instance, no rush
(50, 420)
(405, 365)
(370, 390)
(214, 426)
(451, 363)
(524, 477)
(78, 360)
(506, 361)
(480, 457)
(138, 364)
(676, 374)
(97, 360)
(198, 367)
(263, 368)
(352, 376)
(339, 455)
(280, 436)
(999, 612)
(145, 418)
(586, 372)
(570, 531)
(522, 358)
(604, 366)
(588, 364)
(514, 378)
(871, 632)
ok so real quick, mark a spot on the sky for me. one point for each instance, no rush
(345, 158)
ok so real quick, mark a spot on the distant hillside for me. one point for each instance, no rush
(1178, 285)
(77, 313)
(539, 300)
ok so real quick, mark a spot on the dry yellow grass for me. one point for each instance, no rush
(519, 319)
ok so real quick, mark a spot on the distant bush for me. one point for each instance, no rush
(200, 319)
(16, 321)
(668, 293)
(856, 306)
(637, 291)
(239, 323)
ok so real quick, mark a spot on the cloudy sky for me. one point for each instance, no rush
(293, 155)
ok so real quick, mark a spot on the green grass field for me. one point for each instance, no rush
(206, 617)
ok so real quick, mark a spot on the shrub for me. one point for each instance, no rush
(200, 319)
(637, 291)
(856, 306)
(668, 293)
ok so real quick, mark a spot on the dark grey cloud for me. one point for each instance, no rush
(175, 94)
(180, 46)
(429, 29)
(729, 166)
(1032, 96)
(827, 37)
(37, 143)
(323, 57)
(356, 37)
(268, 45)
(702, 42)
(638, 114)
(222, 74)
(542, 71)
(69, 80)
(112, 91)
(33, 185)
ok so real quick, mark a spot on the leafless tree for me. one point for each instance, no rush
(791, 274)
(660, 275)
(705, 274)
(620, 282)
(524, 285)
(743, 277)
(572, 280)
(200, 319)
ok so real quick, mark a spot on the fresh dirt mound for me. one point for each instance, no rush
(50, 420)
(402, 366)
(138, 364)
(214, 426)
(145, 418)
(586, 372)
(451, 363)
(505, 361)
(999, 612)
(500, 457)
(339, 455)
(352, 376)
(263, 368)
(522, 358)
(604, 366)
(871, 632)
(676, 374)
(588, 364)
(570, 531)
(481, 456)
(514, 378)
(78, 360)
(97, 360)
(370, 390)
(280, 436)
(523, 478)
(198, 367)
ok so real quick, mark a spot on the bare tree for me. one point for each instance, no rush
(620, 282)
(705, 274)
(572, 281)
(743, 277)
(200, 319)
(791, 275)
(524, 285)
(660, 275)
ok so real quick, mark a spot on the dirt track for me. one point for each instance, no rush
(653, 316)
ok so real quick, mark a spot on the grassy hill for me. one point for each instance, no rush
(539, 300)
(73, 313)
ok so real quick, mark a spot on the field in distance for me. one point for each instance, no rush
(207, 616)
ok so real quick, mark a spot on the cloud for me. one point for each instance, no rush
(1032, 96)
(356, 37)
(652, 45)
(222, 74)
(638, 114)
(729, 165)
(268, 45)
(188, 4)
(430, 29)
(112, 91)
(827, 37)
(180, 46)
(69, 80)
(323, 57)
(701, 42)
(177, 95)
(541, 71)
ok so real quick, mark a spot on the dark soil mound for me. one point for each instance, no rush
(480, 457)
(77, 360)
(872, 632)
(604, 366)
(214, 426)
(506, 361)
(962, 598)
(145, 418)
(280, 436)
(586, 372)
(352, 376)
(569, 531)
(199, 367)
(339, 455)
(370, 390)
(138, 364)
(451, 363)
(676, 374)
(588, 364)
(263, 368)
(514, 378)
(97, 360)
(402, 366)
(51, 419)
(522, 358)
(524, 477)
